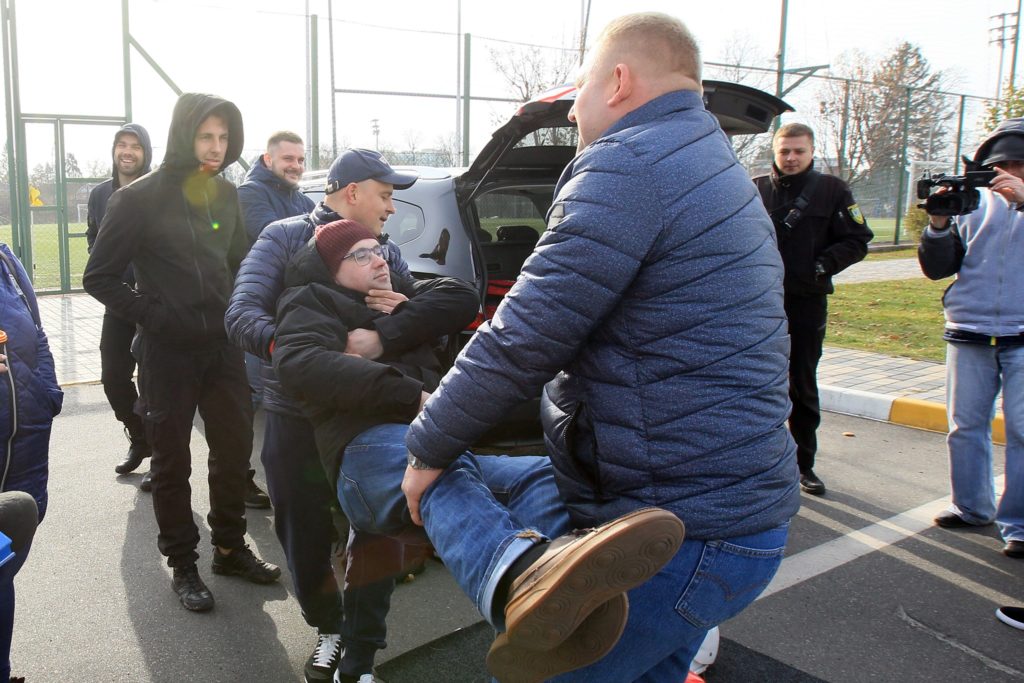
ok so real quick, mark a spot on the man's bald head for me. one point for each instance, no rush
(659, 45)
(636, 59)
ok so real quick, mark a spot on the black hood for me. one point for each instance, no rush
(985, 156)
(147, 149)
(191, 110)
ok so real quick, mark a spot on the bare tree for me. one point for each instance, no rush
(447, 148)
(865, 116)
(527, 71)
(739, 53)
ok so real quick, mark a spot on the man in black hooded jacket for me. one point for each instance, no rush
(182, 229)
(132, 154)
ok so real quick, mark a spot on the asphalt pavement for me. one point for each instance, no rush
(869, 590)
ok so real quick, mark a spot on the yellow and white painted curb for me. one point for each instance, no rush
(909, 412)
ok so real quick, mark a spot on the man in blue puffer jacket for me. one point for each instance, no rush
(29, 400)
(359, 187)
(651, 315)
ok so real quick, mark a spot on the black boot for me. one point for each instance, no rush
(139, 449)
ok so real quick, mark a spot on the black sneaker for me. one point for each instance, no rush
(146, 485)
(810, 483)
(191, 590)
(255, 497)
(242, 562)
(322, 664)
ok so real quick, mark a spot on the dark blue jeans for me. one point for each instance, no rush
(304, 524)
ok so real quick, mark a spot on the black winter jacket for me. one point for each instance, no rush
(182, 229)
(832, 230)
(345, 395)
(100, 195)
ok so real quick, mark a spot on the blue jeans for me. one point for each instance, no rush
(481, 514)
(706, 583)
(974, 375)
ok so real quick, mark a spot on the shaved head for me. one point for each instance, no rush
(655, 43)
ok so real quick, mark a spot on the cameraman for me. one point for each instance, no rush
(985, 333)
(820, 232)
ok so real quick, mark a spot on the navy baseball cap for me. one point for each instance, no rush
(357, 165)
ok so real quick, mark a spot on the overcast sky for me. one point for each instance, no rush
(254, 53)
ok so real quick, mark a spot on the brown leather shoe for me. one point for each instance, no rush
(583, 570)
(594, 638)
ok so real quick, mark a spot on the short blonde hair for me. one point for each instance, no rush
(660, 38)
(794, 130)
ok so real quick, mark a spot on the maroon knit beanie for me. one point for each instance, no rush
(334, 240)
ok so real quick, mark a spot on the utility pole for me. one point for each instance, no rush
(458, 75)
(1000, 37)
(1016, 44)
(375, 123)
(780, 57)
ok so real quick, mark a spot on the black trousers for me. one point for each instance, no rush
(808, 316)
(117, 365)
(303, 499)
(174, 383)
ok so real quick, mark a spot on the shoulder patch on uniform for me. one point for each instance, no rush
(855, 213)
(555, 215)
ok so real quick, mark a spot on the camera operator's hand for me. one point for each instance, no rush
(939, 222)
(1008, 185)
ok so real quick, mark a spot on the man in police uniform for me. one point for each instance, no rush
(821, 232)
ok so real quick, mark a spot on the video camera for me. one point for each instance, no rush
(963, 196)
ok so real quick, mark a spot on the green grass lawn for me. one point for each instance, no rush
(894, 317)
(905, 252)
(45, 266)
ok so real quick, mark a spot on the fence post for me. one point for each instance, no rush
(902, 191)
(959, 135)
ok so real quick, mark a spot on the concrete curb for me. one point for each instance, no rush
(909, 412)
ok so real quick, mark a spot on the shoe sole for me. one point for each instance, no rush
(619, 556)
(257, 506)
(594, 638)
(227, 571)
(1008, 621)
(813, 490)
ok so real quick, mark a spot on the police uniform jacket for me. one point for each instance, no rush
(831, 230)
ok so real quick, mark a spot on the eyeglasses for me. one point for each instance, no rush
(363, 255)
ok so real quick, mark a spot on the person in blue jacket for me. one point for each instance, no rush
(29, 400)
(650, 321)
(270, 193)
(359, 186)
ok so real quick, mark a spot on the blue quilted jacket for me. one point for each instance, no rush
(265, 198)
(250, 317)
(651, 316)
(29, 394)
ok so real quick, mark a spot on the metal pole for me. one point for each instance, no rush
(844, 130)
(1016, 43)
(314, 92)
(22, 242)
(9, 81)
(458, 75)
(308, 118)
(959, 134)
(901, 192)
(334, 95)
(584, 27)
(126, 56)
(781, 58)
(465, 106)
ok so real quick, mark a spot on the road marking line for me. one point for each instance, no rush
(981, 657)
(823, 558)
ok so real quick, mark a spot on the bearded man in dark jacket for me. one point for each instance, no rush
(132, 154)
(181, 228)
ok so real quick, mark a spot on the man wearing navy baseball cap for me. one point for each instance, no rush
(359, 187)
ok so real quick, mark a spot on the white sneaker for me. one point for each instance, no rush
(365, 678)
